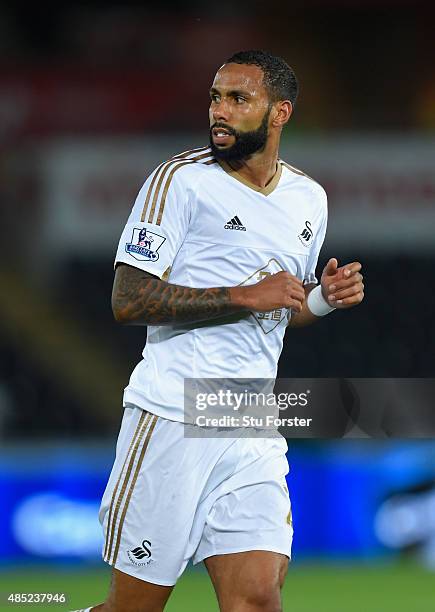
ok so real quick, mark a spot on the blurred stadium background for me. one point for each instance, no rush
(91, 99)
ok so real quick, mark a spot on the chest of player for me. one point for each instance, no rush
(284, 221)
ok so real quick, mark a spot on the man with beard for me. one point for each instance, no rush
(235, 232)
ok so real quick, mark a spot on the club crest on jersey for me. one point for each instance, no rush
(268, 321)
(306, 236)
(144, 244)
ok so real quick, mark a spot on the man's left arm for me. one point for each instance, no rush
(341, 288)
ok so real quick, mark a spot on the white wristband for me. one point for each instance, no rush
(317, 304)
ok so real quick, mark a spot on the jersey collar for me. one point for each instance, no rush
(272, 184)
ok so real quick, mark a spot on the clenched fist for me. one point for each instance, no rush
(281, 290)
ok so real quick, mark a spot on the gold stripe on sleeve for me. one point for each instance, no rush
(149, 192)
(168, 182)
(190, 152)
(124, 484)
(153, 422)
(150, 188)
(169, 165)
(162, 176)
(165, 190)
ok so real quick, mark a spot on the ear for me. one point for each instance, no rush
(283, 110)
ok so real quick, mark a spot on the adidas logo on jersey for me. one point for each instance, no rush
(235, 224)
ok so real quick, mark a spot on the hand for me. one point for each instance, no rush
(281, 290)
(342, 287)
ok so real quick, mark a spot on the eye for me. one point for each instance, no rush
(214, 98)
(240, 99)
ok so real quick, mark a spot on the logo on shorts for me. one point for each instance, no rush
(144, 244)
(141, 555)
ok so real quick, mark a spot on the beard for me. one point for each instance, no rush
(246, 143)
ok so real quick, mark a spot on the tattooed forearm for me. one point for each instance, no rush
(142, 299)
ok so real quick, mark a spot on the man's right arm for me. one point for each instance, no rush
(140, 298)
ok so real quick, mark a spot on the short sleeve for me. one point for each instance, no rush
(158, 222)
(318, 239)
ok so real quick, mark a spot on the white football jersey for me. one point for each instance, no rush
(198, 223)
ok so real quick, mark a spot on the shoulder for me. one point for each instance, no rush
(172, 181)
(184, 166)
(305, 179)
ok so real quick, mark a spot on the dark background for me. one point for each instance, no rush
(82, 75)
(92, 97)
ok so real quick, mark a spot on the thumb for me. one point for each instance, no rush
(331, 267)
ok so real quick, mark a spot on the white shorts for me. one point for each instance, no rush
(170, 498)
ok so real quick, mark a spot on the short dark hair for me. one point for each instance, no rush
(279, 79)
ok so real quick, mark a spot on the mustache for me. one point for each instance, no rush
(225, 127)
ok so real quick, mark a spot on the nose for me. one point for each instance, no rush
(220, 111)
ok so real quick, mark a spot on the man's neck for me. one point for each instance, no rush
(259, 169)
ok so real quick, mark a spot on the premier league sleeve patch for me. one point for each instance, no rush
(144, 244)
